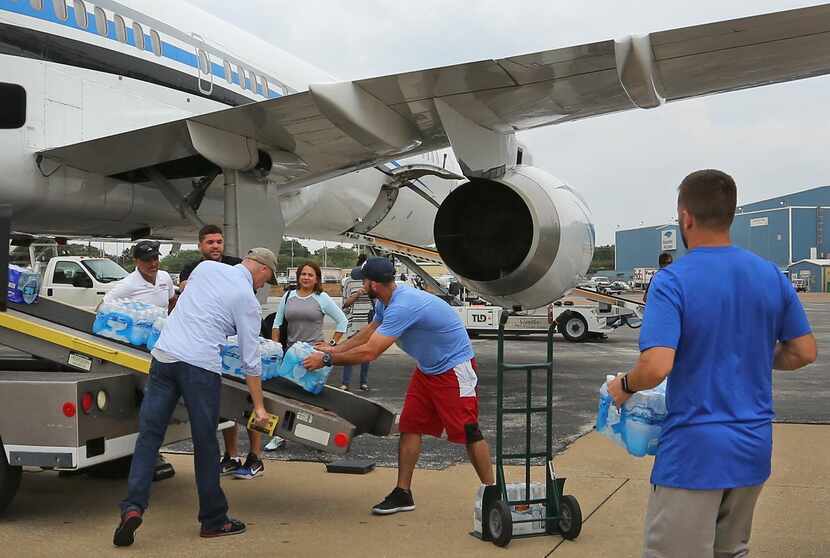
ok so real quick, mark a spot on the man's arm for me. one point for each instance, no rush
(246, 317)
(352, 298)
(795, 353)
(255, 388)
(365, 352)
(653, 366)
(355, 340)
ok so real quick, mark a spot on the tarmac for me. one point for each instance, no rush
(298, 509)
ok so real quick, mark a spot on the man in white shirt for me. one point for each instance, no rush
(147, 284)
(150, 285)
(219, 301)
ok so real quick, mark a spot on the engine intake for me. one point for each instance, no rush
(520, 240)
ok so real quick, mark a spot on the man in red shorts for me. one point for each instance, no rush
(442, 395)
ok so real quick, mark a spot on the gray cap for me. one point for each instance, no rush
(267, 258)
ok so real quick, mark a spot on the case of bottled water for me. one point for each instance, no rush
(292, 369)
(270, 354)
(637, 427)
(519, 512)
(126, 320)
(155, 332)
(23, 285)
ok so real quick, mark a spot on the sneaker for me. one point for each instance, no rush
(364, 387)
(275, 443)
(125, 532)
(231, 527)
(229, 465)
(399, 500)
(254, 467)
(344, 387)
(163, 469)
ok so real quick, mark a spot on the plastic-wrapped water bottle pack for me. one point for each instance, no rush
(23, 285)
(270, 354)
(128, 321)
(292, 369)
(637, 427)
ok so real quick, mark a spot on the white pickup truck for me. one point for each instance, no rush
(79, 281)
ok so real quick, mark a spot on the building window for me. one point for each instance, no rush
(60, 9)
(204, 63)
(120, 28)
(101, 21)
(81, 15)
(156, 42)
(228, 72)
(138, 34)
(36, 4)
(12, 106)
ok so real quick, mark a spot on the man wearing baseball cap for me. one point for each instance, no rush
(147, 283)
(442, 395)
(219, 301)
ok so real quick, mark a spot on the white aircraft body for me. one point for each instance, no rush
(148, 118)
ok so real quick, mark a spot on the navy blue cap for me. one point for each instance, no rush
(375, 269)
(146, 250)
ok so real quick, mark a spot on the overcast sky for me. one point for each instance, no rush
(773, 140)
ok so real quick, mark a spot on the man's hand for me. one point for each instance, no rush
(261, 415)
(314, 361)
(323, 347)
(615, 390)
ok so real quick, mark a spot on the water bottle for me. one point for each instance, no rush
(155, 332)
(30, 287)
(231, 363)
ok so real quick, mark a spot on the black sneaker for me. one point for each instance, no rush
(163, 470)
(399, 500)
(254, 467)
(231, 527)
(229, 465)
(364, 387)
(125, 532)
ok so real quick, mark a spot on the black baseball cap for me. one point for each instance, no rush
(375, 269)
(146, 250)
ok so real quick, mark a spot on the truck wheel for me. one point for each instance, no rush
(9, 480)
(574, 327)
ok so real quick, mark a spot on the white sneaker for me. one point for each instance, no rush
(275, 443)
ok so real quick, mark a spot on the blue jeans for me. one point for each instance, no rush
(200, 389)
(347, 374)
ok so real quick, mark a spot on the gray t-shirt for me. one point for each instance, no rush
(305, 320)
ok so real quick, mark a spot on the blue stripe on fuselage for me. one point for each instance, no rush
(168, 50)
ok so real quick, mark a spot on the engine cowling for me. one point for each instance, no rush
(519, 240)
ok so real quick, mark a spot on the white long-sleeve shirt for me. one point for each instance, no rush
(219, 301)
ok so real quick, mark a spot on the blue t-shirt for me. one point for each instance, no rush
(722, 309)
(427, 329)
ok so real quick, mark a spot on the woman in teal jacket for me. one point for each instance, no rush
(305, 308)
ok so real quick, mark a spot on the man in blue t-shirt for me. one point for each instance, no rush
(442, 395)
(717, 322)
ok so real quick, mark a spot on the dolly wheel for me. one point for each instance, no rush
(570, 517)
(500, 523)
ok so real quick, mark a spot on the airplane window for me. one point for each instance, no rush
(155, 40)
(81, 15)
(101, 21)
(60, 9)
(120, 28)
(138, 33)
(36, 4)
(204, 64)
(228, 72)
(12, 106)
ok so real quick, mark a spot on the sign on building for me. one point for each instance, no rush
(668, 240)
(759, 222)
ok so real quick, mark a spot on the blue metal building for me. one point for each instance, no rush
(815, 274)
(784, 230)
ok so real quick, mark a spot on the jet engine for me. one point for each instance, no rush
(520, 240)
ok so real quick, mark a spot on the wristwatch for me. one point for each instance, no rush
(332, 342)
(327, 359)
(625, 388)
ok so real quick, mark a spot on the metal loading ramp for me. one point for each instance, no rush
(60, 333)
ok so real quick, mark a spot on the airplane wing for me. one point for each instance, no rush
(336, 128)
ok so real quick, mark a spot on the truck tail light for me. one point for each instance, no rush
(86, 402)
(341, 439)
(69, 409)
